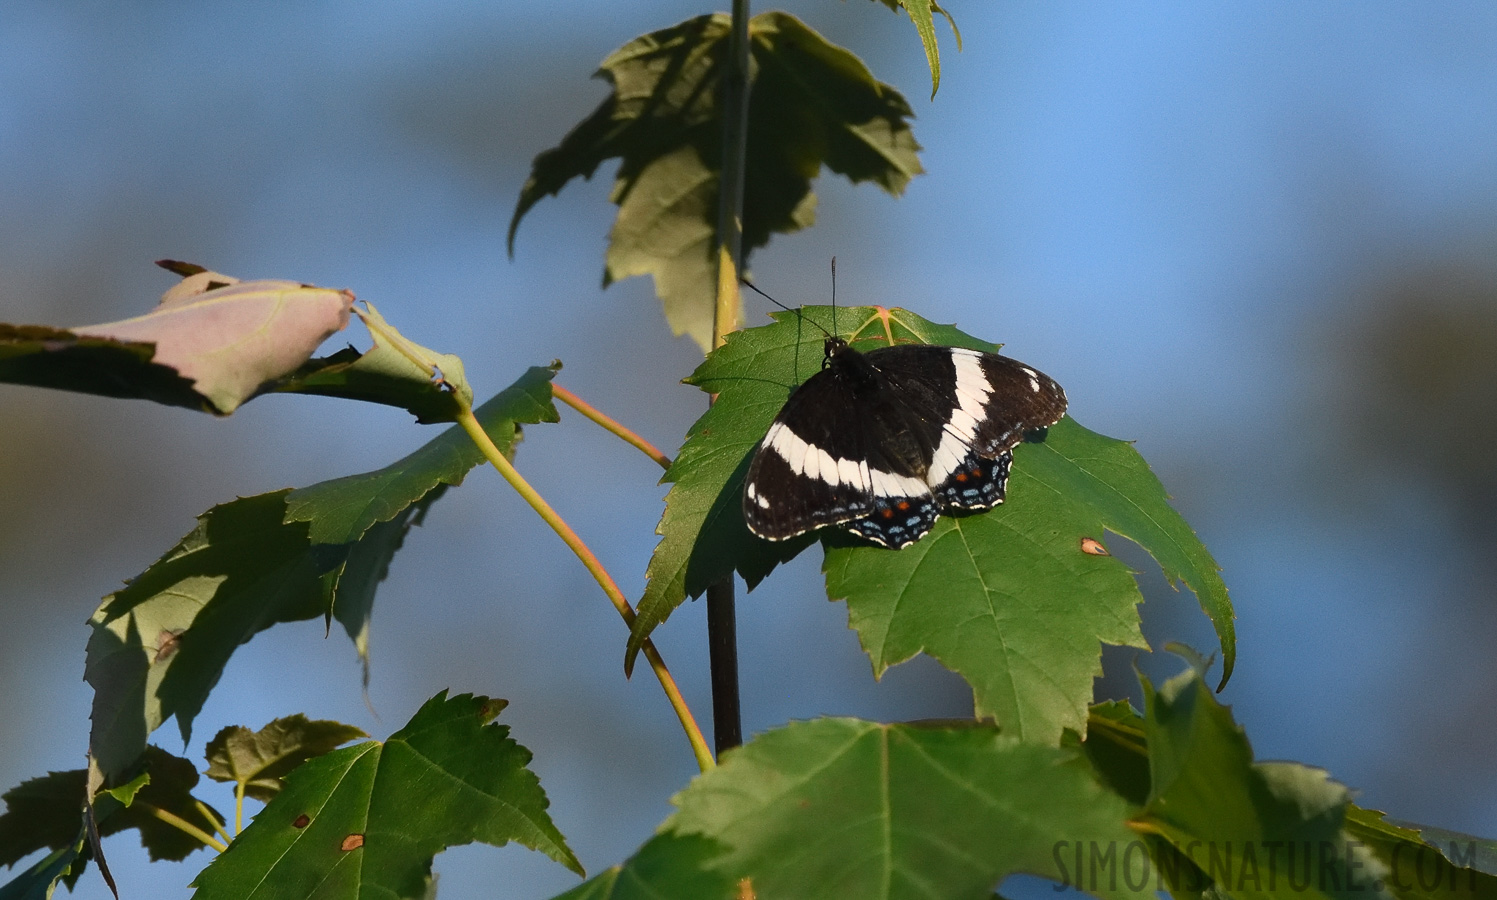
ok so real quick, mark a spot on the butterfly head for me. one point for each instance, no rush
(832, 347)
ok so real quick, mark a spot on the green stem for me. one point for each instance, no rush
(735, 105)
(180, 824)
(238, 807)
(610, 424)
(208, 815)
(506, 469)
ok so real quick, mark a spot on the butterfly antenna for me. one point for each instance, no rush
(834, 295)
(750, 285)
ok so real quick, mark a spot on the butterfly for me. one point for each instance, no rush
(882, 442)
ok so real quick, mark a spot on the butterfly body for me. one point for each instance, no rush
(881, 442)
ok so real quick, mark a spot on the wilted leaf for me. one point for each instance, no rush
(230, 337)
(367, 564)
(812, 104)
(159, 645)
(210, 344)
(259, 760)
(395, 372)
(365, 821)
(40, 356)
(1010, 598)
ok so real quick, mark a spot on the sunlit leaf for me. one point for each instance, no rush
(921, 16)
(259, 760)
(160, 644)
(394, 372)
(812, 104)
(1010, 599)
(365, 821)
(211, 343)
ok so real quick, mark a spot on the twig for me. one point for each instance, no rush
(610, 424)
(673, 693)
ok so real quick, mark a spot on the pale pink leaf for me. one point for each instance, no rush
(231, 337)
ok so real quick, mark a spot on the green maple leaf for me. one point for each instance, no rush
(259, 760)
(667, 867)
(923, 18)
(159, 645)
(812, 104)
(366, 821)
(1016, 600)
(836, 808)
(47, 813)
(343, 509)
(1226, 814)
(1423, 862)
(1417, 862)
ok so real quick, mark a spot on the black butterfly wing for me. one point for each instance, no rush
(985, 403)
(997, 399)
(844, 448)
(879, 442)
(786, 492)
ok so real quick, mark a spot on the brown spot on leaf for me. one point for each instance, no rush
(352, 842)
(302, 821)
(1093, 546)
(167, 643)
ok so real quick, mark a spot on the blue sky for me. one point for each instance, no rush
(1174, 209)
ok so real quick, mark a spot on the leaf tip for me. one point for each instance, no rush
(178, 267)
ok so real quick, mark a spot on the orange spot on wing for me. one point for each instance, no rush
(887, 513)
(903, 505)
